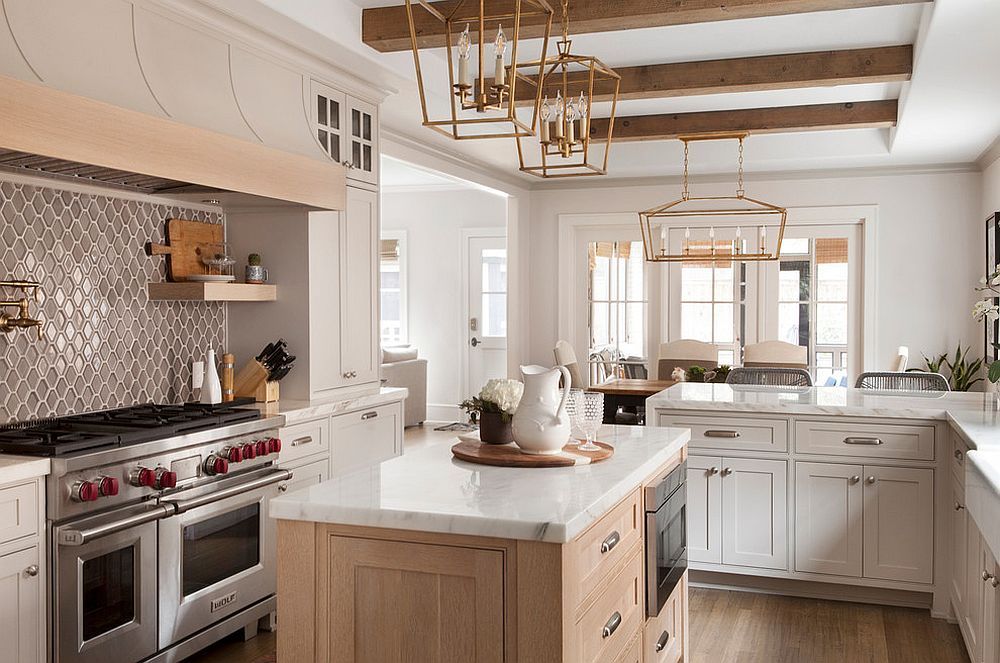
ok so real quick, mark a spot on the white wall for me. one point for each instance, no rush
(433, 222)
(928, 226)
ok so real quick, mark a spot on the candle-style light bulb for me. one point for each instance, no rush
(543, 126)
(500, 44)
(581, 106)
(560, 109)
(738, 244)
(763, 239)
(687, 240)
(464, 54)
(571, 116)
(663, 239)
(711, 239)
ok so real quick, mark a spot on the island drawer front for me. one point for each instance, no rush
(18, 512)
(604, 631)
(304, 439)
(730, 433)
(835, 438)
(366, 437)
(663, 639)
(634, 652)
(600, 549)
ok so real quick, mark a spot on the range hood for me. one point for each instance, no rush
(110, 145)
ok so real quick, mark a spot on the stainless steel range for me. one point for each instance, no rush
(159, 539)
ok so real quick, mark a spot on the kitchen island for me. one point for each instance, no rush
(427, 558)
(873, 496)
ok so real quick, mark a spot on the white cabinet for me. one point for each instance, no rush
(829, 499)
(991, 607)
(359, 240)
(960, 522)
(20, 610)
(899, 524)
(366, 437)
(975, 588)
(347, 129)
(737, 511)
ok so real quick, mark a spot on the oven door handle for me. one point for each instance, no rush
(78, 537)
(276, 476)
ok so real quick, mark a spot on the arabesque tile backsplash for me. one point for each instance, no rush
(105, 343)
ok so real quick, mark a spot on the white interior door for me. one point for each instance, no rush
(486, 305)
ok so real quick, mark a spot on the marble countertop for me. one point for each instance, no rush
(429, 490)
(20, 468)
(295, 411)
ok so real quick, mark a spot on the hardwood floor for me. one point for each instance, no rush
(741, 627)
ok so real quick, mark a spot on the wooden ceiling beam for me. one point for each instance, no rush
(386, 29)
(857, 115)
(769, 72)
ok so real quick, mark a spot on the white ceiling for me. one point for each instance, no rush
(399, 174)
(949, 112)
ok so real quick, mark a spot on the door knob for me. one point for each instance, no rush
(475, 341)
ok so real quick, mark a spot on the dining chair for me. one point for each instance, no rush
(903, 381)
(566, 356)
(770, 377)
(685, 353)
(775, 354)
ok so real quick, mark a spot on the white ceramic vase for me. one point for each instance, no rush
(540, 424)
(211, 387)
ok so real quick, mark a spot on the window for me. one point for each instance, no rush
(617, 309)
(392, 288)
(494, 287)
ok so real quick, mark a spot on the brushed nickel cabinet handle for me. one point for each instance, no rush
(987, 576)
(611, 625)
(347, 375)
(31, 571)
(299, 441)
(608, 544)
(855, 479)
(867, 441)
(368, 415)
(726, 471)
(958, 454)
(661, 642)
(728, 434)
(870, 480)
(712, 471)
(958, 506)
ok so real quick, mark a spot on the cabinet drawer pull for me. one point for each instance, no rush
(368, 415)
(299, 441)
(611, 625)
(958, 454)
(608, 544)
(868, 441)
(661, 642)
(728, 434)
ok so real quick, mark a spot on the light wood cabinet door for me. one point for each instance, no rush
(829, 503)
(960, 522)
(755, 513)
(359, 288)
(704, 509)
(396, 602)
(20, 609)
(899, 524)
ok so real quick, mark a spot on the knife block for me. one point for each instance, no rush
(250, 378)
(267, 392)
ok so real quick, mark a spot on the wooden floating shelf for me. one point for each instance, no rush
(211, 292)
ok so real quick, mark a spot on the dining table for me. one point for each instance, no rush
(627, 392)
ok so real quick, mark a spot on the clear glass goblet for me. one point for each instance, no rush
(574, 411)
(593, 417)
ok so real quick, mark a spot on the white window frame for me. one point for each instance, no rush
(572, 321)
(399, 236)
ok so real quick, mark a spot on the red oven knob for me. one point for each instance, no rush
(248, 451)
(216, 465)
(234, 454)
(84, 491)
(142, 477)
(274, 445)
(165, 478)
(107, 486)
(261, 448)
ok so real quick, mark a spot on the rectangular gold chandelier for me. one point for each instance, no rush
(760, 215)
(481, 105)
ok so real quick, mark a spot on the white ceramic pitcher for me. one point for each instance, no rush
(540, 424)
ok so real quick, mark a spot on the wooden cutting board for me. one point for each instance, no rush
(510, 455)
(188, 241)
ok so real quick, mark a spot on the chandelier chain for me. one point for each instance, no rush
(565, 20)
(740, 191)
(686, 194)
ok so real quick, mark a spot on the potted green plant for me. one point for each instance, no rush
(493, 410)
(696, 374)
(963, 372)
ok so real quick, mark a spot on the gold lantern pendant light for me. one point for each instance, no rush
(481, 95)
(739, 210)
(565, 145)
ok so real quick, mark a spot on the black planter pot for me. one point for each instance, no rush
(493, 429)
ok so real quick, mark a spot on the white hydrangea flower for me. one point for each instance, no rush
(984, 309)
(506, 394)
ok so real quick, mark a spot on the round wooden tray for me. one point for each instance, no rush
(510, 455)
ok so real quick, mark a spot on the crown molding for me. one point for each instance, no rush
(990, 155)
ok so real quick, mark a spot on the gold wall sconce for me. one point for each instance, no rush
(22, 318)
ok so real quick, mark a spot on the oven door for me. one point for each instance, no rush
(104, 600)
(217, 555)
(666, 549)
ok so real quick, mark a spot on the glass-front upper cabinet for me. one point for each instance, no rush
(346, 128)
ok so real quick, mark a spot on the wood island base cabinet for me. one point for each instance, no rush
(355, 594)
